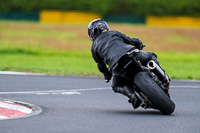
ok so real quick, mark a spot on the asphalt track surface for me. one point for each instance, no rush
(88, 105)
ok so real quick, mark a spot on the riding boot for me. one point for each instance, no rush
(130, 94)
(123, 90)
(134, 101)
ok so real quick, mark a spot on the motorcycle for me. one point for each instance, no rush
(146, 82)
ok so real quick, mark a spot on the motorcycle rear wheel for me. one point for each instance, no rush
(154, 93)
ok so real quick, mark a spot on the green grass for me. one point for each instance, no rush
(180, 65)
(65, 50)
(48, 61)
(80, 62)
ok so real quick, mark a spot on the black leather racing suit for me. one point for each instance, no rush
(109, 46)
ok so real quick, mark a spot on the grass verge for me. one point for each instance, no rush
(79, 62)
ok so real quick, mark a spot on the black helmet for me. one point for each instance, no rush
(96, 27)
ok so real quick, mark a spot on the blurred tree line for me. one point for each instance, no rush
(107, 7)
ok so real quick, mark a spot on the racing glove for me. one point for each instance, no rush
(106, 71)
(137, 43)
(107, 77)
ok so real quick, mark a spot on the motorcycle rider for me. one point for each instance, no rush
(108, 47)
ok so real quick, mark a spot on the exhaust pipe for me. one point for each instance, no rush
(157, 70)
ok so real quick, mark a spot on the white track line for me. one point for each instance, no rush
(71, 91)
(19, 73)
(185, 80)
(76, 91)
(179, 86)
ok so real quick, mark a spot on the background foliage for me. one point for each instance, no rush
(107, 7)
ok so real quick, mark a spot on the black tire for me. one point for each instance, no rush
(154, 93)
